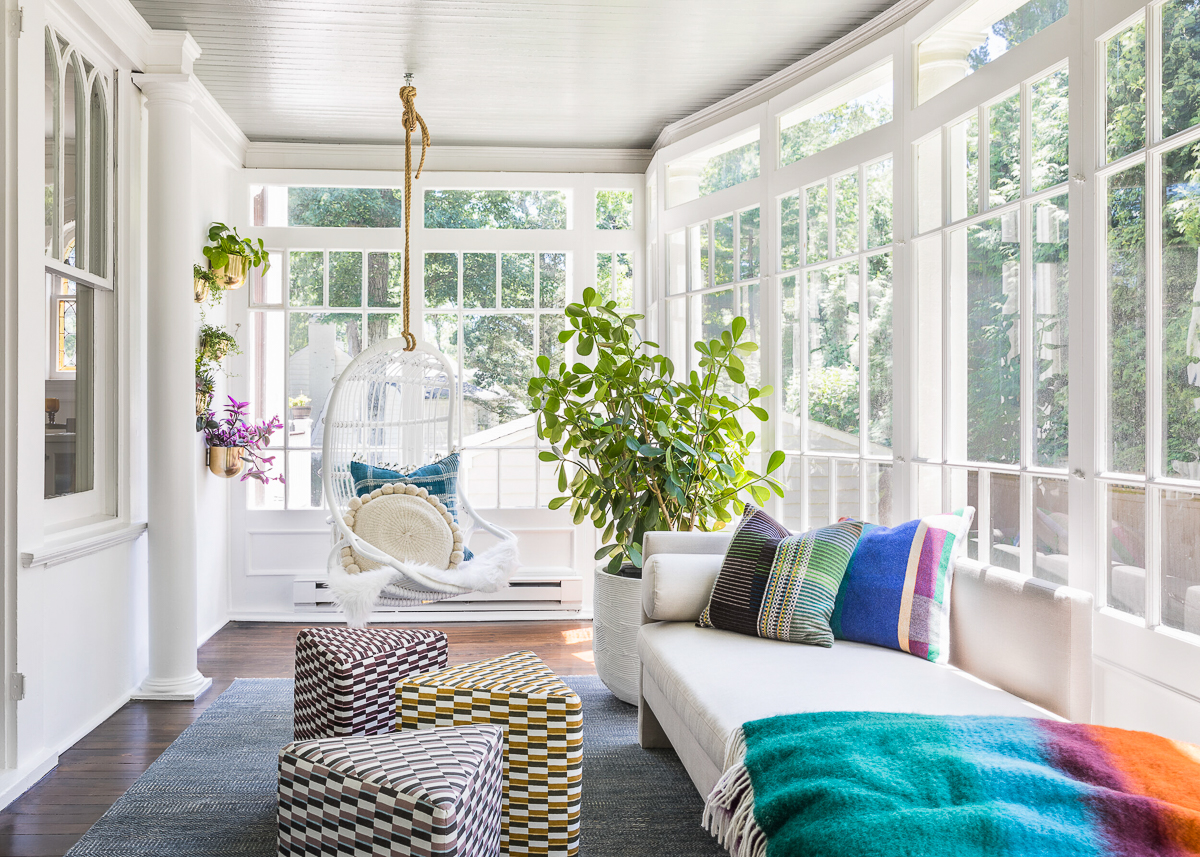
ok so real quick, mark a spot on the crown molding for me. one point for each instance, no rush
(764, 90)
(345, 156)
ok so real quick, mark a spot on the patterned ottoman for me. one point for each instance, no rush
(421, 793)
(346, 677)
(543, 749)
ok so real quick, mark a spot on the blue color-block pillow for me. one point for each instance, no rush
(896, 590)
(440, 479)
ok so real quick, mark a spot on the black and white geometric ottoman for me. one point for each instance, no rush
(346, 677)
(432, 792)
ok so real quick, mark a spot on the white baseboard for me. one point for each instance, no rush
(16, 782)
(207, 634)
(422, 618)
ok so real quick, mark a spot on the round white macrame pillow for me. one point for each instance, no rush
(404, 522)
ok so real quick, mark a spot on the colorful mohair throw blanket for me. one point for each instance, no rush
(868, 784)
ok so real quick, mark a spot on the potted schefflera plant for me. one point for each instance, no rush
(238, 445)
(638, 451)
(231, 256)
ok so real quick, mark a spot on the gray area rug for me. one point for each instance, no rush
(212, 792)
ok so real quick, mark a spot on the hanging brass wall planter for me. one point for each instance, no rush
(232, 275)
(225, 461)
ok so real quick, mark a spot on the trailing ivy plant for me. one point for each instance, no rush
(224, 242)
(216, 343)
(639, 451)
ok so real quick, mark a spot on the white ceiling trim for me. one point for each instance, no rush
(340, 156)
(116, 22)
(221, 131)
(768, 88)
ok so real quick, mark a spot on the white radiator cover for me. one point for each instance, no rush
(530, 589)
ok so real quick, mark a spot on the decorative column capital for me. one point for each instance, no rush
(159, 88)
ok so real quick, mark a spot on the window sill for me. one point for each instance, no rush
(67, 549)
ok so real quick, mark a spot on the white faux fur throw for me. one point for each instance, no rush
(358, 594)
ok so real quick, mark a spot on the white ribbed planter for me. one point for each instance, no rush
(616, 618)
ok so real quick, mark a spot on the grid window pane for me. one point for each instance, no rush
(845, 190)
(385, 279)
(820, 493)
(306, 282)
(1180, 540)
(304, 489)
(789, 231)
(1004, 496)
(677, 263)
(384, 325)
(345, 279)
(1050, 326)
(816, 224)
(1126, 264)
(991, 338)
(441, 329)
(516, 280)
(1180, 66)
(929, 183)
(1127, 549)
(723, 271)
(1051, 524)
(792, 342)
(879, 494)
(879, 204)
(614, 209)
(549, 327)
(552, 280)
(1050, 127)
(1181, 313)
(495, 209)
(497, 363)
(479, 280)
(1004, 150)
(441, 280)
(879, 354)
(964, 168)
(748, 244)
(833, 320)
(1125, 59)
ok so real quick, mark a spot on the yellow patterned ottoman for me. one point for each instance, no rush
(543, 741)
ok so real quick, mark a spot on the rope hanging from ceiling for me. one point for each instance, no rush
(411, 119)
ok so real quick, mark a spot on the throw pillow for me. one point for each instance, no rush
(440, 479)
(896, 591)
(405, 522)
(778, 585)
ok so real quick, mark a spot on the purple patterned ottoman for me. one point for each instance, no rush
(346, 677)
(428, 792)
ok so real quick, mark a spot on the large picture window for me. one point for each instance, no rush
(492, 272)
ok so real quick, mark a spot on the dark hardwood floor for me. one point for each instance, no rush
(48, 819)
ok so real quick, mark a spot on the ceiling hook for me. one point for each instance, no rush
(408, 78)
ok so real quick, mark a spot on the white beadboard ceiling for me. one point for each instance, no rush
(579, 73)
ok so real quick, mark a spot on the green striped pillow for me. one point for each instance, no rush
(778, 585)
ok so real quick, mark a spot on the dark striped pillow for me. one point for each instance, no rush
(778, 585)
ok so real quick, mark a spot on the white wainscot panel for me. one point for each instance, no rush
(1128, 701)
(286, 551)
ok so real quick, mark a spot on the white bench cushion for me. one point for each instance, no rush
(717, 680)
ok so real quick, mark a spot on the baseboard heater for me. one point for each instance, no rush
(529, 589)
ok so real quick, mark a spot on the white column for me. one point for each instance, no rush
(171, 447)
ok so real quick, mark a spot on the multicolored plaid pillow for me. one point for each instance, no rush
(440, 479)
(896, 590)
(778, 585)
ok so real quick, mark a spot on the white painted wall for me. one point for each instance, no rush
(212, 173)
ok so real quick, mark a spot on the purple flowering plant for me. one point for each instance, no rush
(254, 438)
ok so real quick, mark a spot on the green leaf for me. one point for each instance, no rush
(543, 363)
(635, 554)
(758, 412)
(650, 451)
(736, 375)
(585, 346)
(546, 455)
(776, 461)
(557, 502)
(739, 327)
(605, 551)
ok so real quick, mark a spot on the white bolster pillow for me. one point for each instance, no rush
(676, 586)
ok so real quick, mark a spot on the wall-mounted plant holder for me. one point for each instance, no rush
(202, 283)
(232, 275)
(225, 461)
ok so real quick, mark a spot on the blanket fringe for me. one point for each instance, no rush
(358, 594)
(729, 809)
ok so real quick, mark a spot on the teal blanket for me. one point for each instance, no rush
(868, 784)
